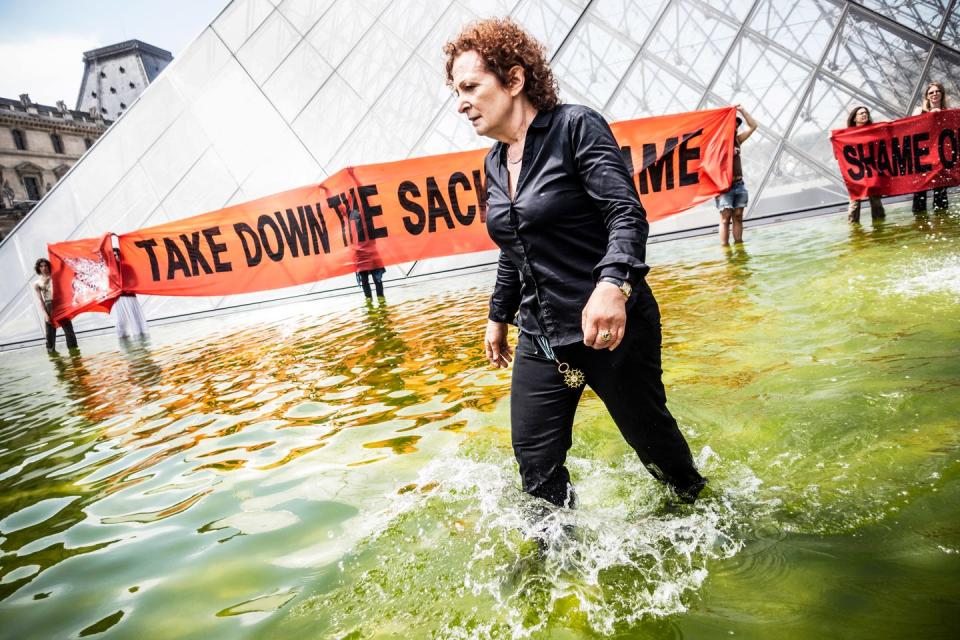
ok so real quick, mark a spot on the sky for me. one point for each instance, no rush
(42, 41)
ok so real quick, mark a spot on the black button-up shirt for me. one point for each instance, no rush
(576, 217)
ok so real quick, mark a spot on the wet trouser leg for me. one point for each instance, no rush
(940, 198)
(378, 282)
(920, 202)
(876, 207)
(628, 381)
(853, 211)
(541, 422)
(51, 335)
(69, 334)
(363, 279)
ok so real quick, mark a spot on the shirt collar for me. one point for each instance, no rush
(541, 121)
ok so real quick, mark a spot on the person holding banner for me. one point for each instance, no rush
(934, 99)
(43, 287)
(860, 117)
(564, 210)
(732, 203)
(367, 260)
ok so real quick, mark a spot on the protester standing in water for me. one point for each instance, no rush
(367, 259)
(43, 287)
(126, 312)
(860, 117)
(934, 99)
(564, 210)
(732, 202)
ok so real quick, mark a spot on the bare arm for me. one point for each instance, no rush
(751, 125)
(43, 304)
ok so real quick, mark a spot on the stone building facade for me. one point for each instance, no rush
(38, 145)
(114, 76)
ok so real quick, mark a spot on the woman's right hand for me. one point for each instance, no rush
(495, 344)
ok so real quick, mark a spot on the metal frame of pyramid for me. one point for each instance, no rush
(276, 94)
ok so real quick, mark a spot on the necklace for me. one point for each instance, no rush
(518, 160)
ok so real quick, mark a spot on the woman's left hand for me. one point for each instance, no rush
(605, 314)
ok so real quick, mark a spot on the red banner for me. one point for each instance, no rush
(85, 276)
(371, 216)
(903, 156)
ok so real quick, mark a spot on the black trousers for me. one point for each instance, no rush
(627, 380)
(363, 279)
(939, 200)
(67, 331)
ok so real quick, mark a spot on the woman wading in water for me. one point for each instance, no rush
(564, 211)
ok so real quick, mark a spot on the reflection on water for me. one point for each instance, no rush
(348, 473)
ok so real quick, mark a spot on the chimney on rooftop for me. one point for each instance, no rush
(25, 99)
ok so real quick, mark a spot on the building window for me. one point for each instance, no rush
(103, 75)
(103, 109)
(88, 142)
(112, 90)
(93, 94)
(57, 142)
(122, 70)
(18, 140)
(33, 187)
(133, 86)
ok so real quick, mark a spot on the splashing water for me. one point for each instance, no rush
(324, 470)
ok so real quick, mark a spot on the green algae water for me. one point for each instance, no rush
(331, 470)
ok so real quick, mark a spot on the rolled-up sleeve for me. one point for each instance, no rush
(605, 177)
(505, 300)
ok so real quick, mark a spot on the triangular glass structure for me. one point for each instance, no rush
(276, 94)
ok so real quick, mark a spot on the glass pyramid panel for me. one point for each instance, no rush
(633, 18)
(692, 38)
(876, 58)
(951, 29)
(594, 60)
(766, 81)
(276, 94)
(826, 108)
(796, 183)
(652, 88)
(923, 16)
(803, 27)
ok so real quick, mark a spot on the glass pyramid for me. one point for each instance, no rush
(276, 94)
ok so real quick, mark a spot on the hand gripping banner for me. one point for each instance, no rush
(85, 276)
(903, 156)
(371, 216)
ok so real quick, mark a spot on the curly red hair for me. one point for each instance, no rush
(503, 44)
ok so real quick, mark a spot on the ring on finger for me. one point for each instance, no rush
(605, 336)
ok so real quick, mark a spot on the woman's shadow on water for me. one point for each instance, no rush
(387, 349)
(75, 378)
(379, 325)
(144, 370)
(738, 263)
